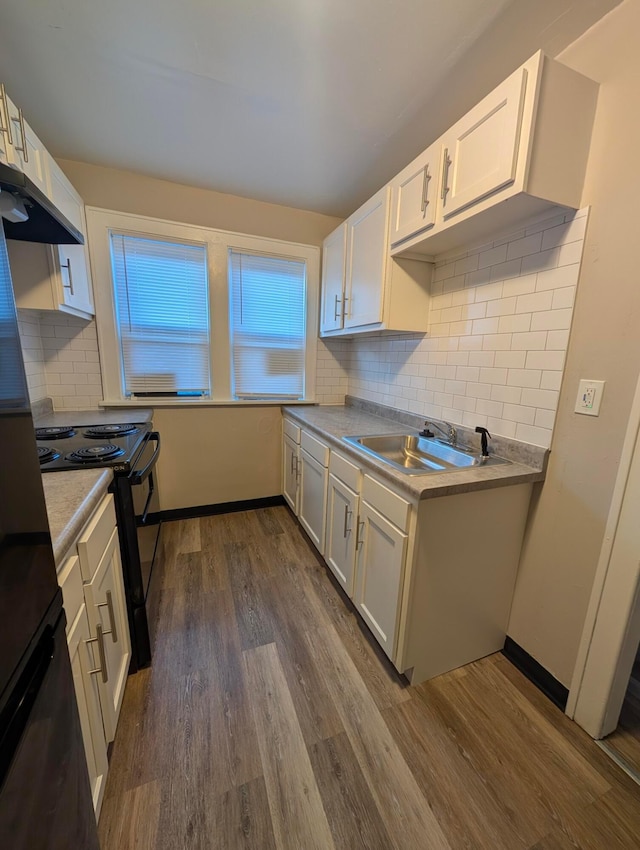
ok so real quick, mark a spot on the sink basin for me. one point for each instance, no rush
(415, 455)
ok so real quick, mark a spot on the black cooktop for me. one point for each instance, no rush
(91, 447)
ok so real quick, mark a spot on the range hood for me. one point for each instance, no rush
(45, 223)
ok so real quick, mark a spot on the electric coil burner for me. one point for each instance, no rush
(46, 454)
(100, 431)
(60, 433)
(95, 454)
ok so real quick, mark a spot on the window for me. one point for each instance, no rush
(162, 316)
(267, 325)
(192, 315)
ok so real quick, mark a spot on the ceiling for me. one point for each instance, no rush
(309, 103)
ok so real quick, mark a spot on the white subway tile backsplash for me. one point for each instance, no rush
(526, 378)
(501, 307)
(493, 256)
(527, 245)
(510, 359)
(547, 399)
(499, 330)
(552, 320)
(545, 359)
(563, 297)
(551, 380)
(485, 326)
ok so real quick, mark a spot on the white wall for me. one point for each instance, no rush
(568, 520)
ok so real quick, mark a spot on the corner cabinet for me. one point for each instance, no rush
(520, 150)
(363, 288)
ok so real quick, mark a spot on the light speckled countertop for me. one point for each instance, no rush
(332, 423)
(71, 498)
(112, 416)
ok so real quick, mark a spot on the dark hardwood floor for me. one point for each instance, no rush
(270, 721)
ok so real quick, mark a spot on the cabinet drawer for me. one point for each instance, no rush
(290, 430)
(70, 580)
(390, 505)
(315, 448)
(346, 471)
(95, 538)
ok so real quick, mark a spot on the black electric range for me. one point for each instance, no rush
(131, 450)
(96, 446)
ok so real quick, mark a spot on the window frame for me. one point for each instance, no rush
(100, 224)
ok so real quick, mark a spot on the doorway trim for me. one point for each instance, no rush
(612, 626)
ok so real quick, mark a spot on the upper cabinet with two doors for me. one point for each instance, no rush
(523, 148)
(363, 288)
(45, 277)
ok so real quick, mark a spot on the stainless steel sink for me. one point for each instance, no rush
(415, 455)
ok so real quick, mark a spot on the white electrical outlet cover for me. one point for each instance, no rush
(589, 397)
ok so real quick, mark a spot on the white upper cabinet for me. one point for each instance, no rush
(523, 148)
(26, 152)
(363, 288)
(480, 152)
(414, 194)
(366, 262)
(334, 252)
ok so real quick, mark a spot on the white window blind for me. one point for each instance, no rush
(268, 296)
(162, 315)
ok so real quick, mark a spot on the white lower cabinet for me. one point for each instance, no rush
(106, 609)
(88, 698)
(313, 495)
(432, 578)
(342, 521)
(380, 567)
(97, 636)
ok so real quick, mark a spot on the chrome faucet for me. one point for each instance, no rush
(450, 433)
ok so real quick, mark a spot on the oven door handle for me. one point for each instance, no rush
(147, 504)
(137, 476)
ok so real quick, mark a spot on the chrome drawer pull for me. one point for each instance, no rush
(112, 617)
(102, 669)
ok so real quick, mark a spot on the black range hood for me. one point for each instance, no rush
(46, 223)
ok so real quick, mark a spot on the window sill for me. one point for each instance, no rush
(156, 403)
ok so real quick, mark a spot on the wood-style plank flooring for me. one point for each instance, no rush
(270, 721)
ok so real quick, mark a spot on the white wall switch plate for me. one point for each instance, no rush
(589, 397)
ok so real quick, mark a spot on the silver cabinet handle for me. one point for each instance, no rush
(445, 176)
(5, 126)
(102, 669)
(347, 514)
(358, 538)
(345, 298)
(293, 457)
(336, 313)
(23, 150)
(67, 266)
(112, 617)
(425, 189)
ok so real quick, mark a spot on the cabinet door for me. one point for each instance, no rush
(340, 548)
(29, 154)
(381, 551)
(88, 698)
(334, 251)
(367, 252)
(290, 473)
(6, 135)
(71, 272)
(480, 152)
(313, 498)
(413, 196)
(106, 607)
(64, 195)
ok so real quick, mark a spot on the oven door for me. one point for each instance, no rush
(146, 505)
